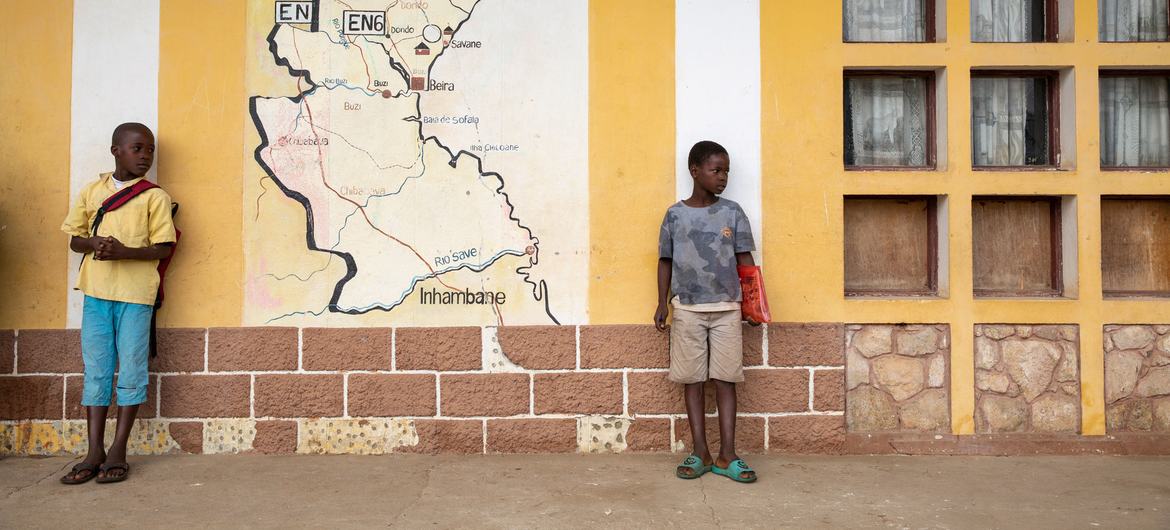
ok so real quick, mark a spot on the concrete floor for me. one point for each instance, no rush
(561, 491)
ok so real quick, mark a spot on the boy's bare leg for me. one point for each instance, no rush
(96, 418)
(695, 405)
(725, 399)
(117, 455)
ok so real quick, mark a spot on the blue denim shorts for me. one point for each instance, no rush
(115, 335)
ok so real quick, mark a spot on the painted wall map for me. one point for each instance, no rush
(416, 162)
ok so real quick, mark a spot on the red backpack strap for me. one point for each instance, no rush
(115, 201)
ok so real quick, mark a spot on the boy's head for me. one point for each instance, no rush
(132, 145)
(709, 165)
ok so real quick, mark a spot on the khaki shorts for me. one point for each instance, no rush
(706, 346)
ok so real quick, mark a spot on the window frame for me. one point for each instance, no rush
(928, 15)
(1116, 294)
(1051, 26)
(1121, 72)
(931, 114)
(932, 264)
(1056, 233)
(1167, 39)
(1053, 99)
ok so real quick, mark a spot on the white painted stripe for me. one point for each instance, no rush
(717, 94)
(115, 80)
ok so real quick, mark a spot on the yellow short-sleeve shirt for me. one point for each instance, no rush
(142, 221)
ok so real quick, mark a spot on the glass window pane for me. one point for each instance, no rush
(1007, 20)
(1009, 121)
(1135, 121)
(885, 20)
(886, 121)
(1133, 20)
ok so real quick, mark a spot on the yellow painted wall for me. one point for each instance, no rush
(201, 104)
(803, 57)
(631, 153)
(34, 175)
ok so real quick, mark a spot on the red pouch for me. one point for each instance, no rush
(755, 299)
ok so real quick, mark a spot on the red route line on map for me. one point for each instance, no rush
(321, 165)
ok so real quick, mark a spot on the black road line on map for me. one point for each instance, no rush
(539, 289)
(310, 239)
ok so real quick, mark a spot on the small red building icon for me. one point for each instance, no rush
(422, 49)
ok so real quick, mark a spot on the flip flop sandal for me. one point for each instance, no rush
(91, 468)
(117, 478)
(733, 471)
(693, 463)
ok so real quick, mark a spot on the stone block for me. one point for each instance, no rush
(355, 436)
(447, 437)
(179, 350)
(75, 384)
(1057, 413)
(540, 347)
(251, 349)
(49, 351)
(821, 435)
(868, 409)
(1133, 338)
(872, 340)
(929, 411)
(916, 341)
(1122, 370)
(997, 414)
(602, 434)
(31, 397)
(453, 348)
(484, 394)
(392, 395)
(654, 393)
(749, 434)
(624, 346)
(806, 344)
(1030, 364)
(578, 393)
(538, 435)
(828, 390)
(1156, 382)
(188, 435)
(298, 396)
(275, 437)
(229, 436)
(648, 435)
(902, 377)
(205, 396)
(773, 390)
(346, 348)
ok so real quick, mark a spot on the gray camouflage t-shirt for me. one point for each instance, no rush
(702, 243)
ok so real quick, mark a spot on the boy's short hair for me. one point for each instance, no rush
(121, 130)
(702, 150)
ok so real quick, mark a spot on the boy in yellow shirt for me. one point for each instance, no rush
(121, 249)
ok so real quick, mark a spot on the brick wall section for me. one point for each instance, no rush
(275, 379)
(44, 351)
(438, 348)
(806, 344)
(484, 394)
(7, 351)
(205, 396)
(251, 349)
(180, 350)
(298, 395)
(578, 393)
(624, 346)
(540, 347)
(346, 348)
(384, 395)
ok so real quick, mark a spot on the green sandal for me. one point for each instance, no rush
(693, 463)
(733, 471)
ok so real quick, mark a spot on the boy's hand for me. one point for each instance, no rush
(109, 248)
(751, 322)
(660, 317)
